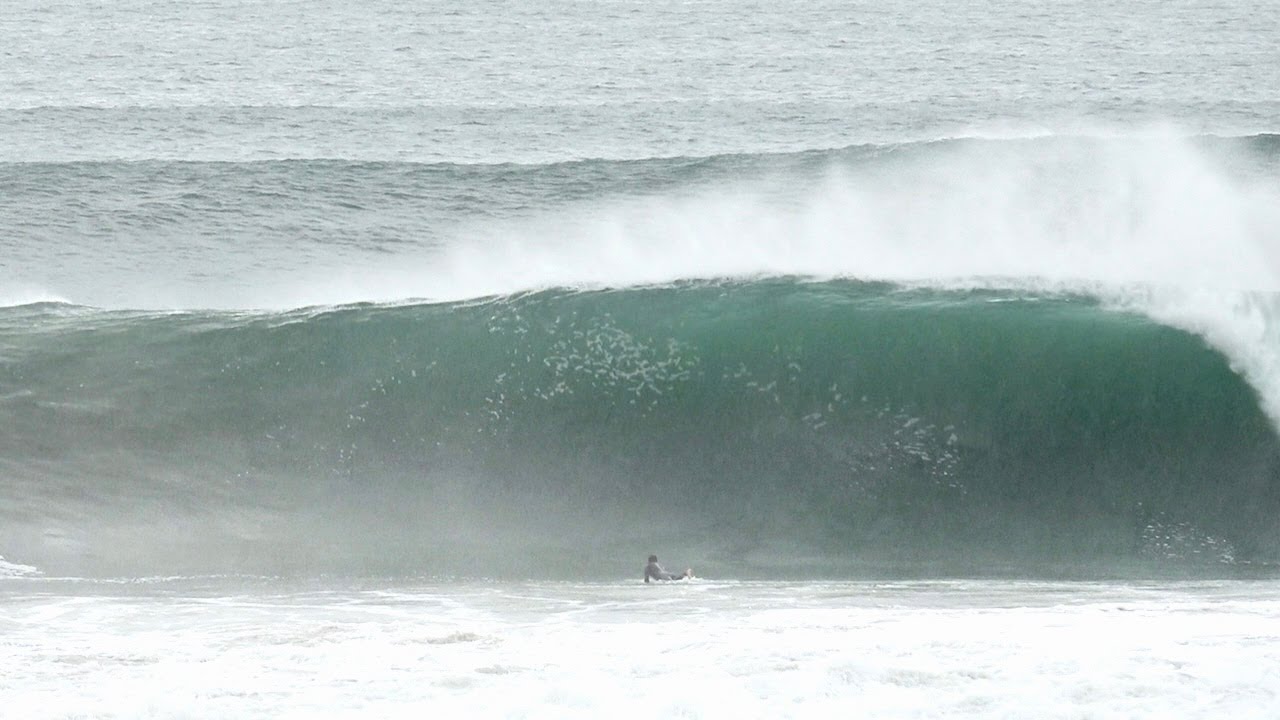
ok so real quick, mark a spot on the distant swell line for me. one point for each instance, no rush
(1267, 143)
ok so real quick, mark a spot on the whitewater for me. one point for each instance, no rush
(353, 358)
(949, 649)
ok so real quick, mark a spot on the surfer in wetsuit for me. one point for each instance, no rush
(654, 571)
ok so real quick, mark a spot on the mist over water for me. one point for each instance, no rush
(1076, 213)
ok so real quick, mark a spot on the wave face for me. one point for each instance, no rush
(748, 424)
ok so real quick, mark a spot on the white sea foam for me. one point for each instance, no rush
(10, 569)
(709, 650)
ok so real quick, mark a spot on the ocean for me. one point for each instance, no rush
(354, 357)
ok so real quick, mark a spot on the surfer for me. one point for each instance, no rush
(654, 571)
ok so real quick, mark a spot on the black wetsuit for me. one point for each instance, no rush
(654, 571)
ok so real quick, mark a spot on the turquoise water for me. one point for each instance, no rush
(837, 425)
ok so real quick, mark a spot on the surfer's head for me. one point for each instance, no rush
(653, 558)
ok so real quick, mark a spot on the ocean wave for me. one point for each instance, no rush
(849, 420)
